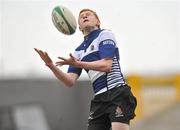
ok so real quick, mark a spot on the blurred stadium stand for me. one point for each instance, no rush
(158, 102)
(64, 108)
(61, 108)
(167, 119)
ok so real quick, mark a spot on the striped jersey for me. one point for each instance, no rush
(100, 44)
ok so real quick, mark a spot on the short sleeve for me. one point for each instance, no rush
(75, 70)
(107, 44)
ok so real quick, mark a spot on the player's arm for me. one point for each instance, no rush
(103, 65)
(68, 79)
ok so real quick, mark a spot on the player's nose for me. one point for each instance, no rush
(84, 17)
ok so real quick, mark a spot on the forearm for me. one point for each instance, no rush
(100, 65)
(63, 77)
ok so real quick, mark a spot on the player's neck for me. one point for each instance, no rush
(88, 30)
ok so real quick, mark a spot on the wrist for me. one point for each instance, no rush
(50, 65)
(78, 64)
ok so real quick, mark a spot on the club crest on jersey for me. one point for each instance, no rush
(92, 47)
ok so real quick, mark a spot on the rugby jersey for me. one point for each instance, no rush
(100, 44)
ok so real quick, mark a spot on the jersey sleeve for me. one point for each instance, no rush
(73, 69)
(107, 44)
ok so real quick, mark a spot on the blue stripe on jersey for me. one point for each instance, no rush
(117, 53)
(76, 70)
(100, 83)
(91, 57)
(107, 49)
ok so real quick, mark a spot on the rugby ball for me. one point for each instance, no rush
(64, 20)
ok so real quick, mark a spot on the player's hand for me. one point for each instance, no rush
(67, 61)
(44, 56)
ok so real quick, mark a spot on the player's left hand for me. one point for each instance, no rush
(67, 61)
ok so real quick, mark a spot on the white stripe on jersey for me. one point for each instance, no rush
(115, 77)
(93, 75)
(101, 91)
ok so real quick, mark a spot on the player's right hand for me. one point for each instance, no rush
(44, 56)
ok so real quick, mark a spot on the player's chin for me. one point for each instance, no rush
(86, 24)
(89, 26)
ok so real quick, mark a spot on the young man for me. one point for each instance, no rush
(113, 104)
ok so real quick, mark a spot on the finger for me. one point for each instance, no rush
(47, 56)
(62, 62)
(59, 64)
(42, 52)
(62, 58)
(35, 49)
(71, 56)
(38, 51)
(46, 53)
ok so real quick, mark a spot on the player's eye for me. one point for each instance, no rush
(88, 14)
(85, 14)
(81, 16)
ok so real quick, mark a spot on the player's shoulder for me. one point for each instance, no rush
(106, 32)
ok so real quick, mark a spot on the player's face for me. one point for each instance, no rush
(87, 19)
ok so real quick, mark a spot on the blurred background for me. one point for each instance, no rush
(148, 36)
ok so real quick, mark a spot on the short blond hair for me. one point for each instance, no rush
(95, 14)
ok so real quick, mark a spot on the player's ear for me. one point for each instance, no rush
(98, 23)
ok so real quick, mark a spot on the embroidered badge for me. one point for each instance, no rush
(92, 47)
(119, 112)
